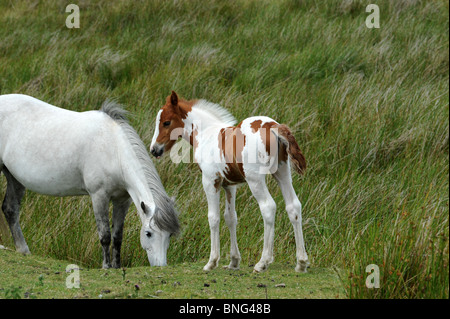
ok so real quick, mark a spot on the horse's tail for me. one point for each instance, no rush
(295, 154)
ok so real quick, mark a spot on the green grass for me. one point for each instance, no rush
(41, 277)
(369, 108)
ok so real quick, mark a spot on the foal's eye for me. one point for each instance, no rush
(166, 123)
(148, 234)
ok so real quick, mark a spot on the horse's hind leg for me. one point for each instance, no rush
(294, 210)
(100, 203)
(11, 209)
(120, 209)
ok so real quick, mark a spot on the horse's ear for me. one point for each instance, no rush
(174, 99)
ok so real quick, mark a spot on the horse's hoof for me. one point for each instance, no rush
(24, 251)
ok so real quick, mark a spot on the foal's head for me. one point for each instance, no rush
(169, 124)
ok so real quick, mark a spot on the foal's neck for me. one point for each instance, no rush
(199, 121)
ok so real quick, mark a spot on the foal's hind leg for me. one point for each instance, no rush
(11, 209)
(268, 208)
(100, 203)
(231, 221)
(294, 210)
(120, 209)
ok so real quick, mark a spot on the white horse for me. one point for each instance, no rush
(58, 152)
(229, 155)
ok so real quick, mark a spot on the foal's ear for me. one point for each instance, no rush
(174, 99)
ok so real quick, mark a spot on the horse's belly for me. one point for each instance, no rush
(49, 180)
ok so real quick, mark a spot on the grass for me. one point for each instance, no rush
(369, 108)
(35, 277)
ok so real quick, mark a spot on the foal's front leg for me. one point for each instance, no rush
(212, 192)
(231, 221)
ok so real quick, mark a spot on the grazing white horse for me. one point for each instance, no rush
(58, 152)
(229, 155)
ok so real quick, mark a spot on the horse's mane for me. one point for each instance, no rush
(166, 215)
(217, 111)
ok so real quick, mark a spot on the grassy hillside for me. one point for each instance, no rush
(369, 108)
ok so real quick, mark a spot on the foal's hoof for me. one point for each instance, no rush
(234, 263)
(302, 266)
(260, 267)
(231, 267)
(210, 266)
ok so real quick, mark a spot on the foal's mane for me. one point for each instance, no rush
(165, 216)
(215, 110)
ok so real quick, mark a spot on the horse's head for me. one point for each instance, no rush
(155, 235)
(169, 124)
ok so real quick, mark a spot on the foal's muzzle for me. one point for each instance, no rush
(157, 151)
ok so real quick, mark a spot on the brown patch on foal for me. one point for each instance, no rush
(269, 139)
(218, 182)
(255, 125)
(231, 143)
(228, 195)
(266, 136)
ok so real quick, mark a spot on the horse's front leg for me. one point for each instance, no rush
(212, 191)
(100, 202)
(120, 209)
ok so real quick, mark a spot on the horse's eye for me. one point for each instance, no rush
(166, 123)
(148, 234)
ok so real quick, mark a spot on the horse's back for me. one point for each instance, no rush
(24, 104)
(47, 148)
(19, 107)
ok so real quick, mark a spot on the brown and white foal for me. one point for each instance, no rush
(229, 155)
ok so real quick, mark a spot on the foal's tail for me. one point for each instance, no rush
(295, 154)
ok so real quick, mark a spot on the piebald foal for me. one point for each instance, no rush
(229, 155)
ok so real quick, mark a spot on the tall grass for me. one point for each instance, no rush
(369, 108)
